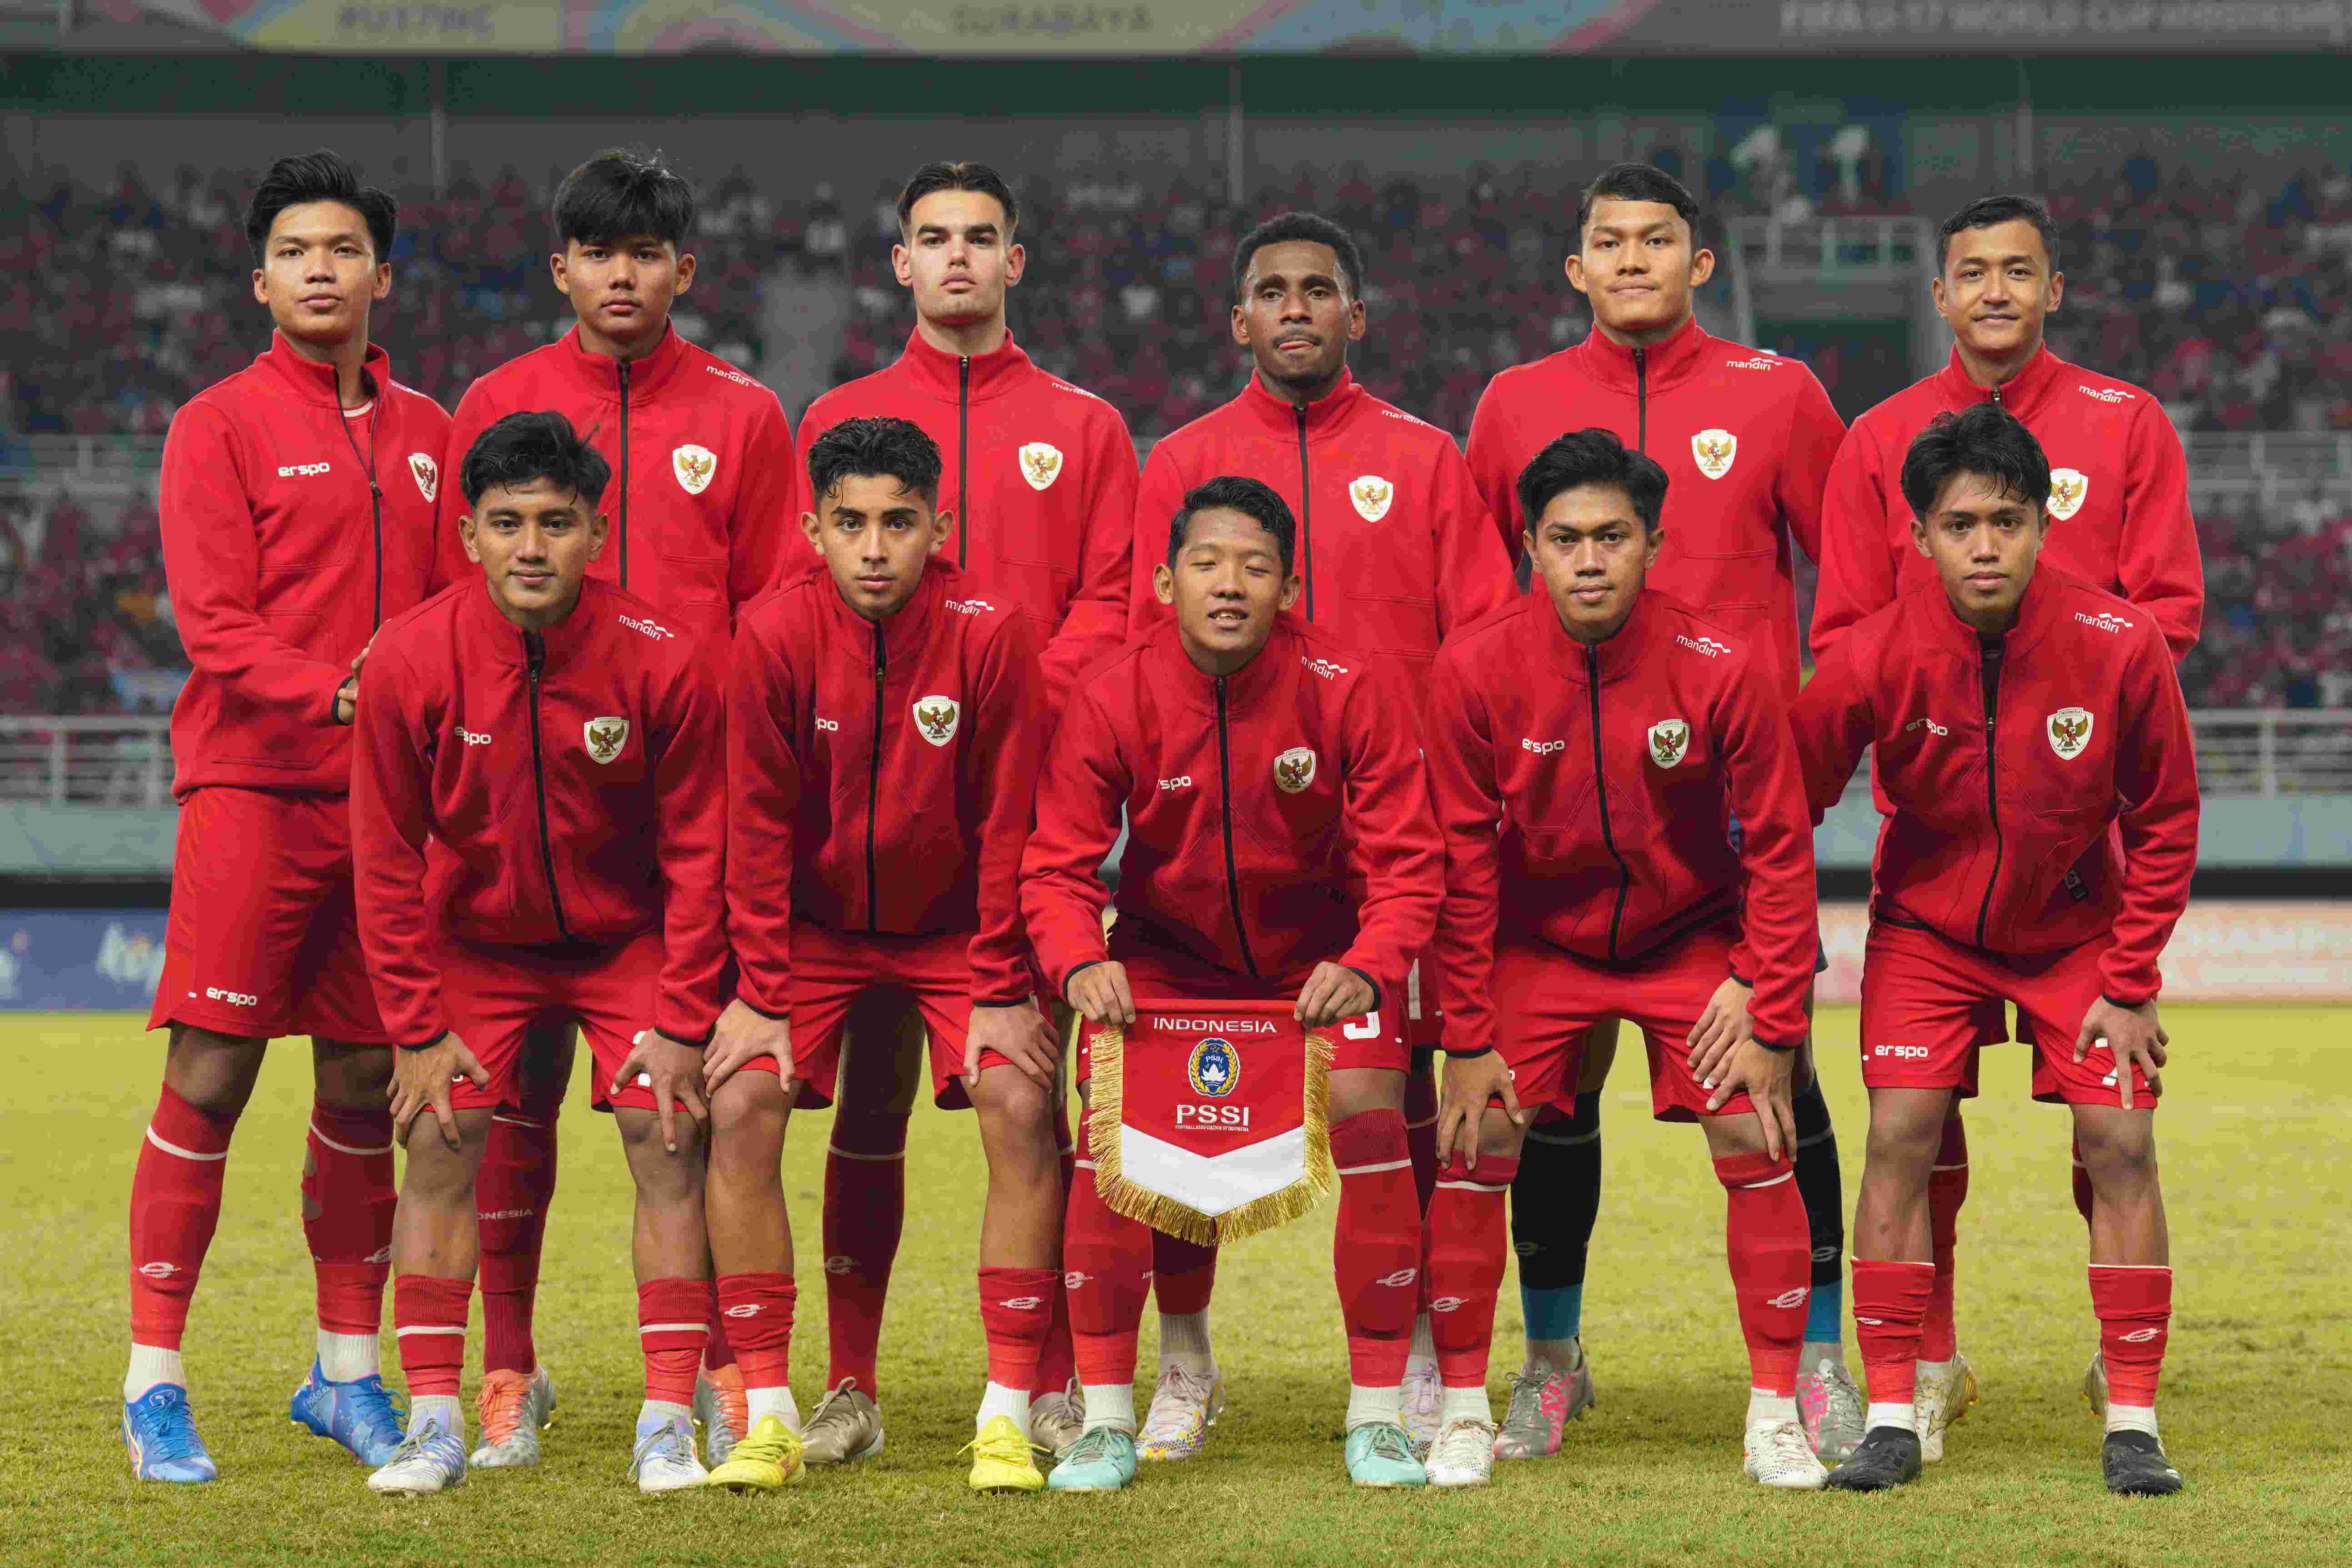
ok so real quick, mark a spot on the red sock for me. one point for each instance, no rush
(429, 1319)
(1376, 1253)
(1771, 1249)
(510, 1200)
(1469, 1231)
(671, 1321)
(176, 1201)
(718, 1345)
(1948, 1189)
(1889, 1300)
(2081, 1180)
(1107, 1271)
(1420, 1128)
(1183, 1274)
(348, 1197)
(1058, 1364)
(865, 1210)
(2134, 1303)
(1016, 1312)
(759, 1309)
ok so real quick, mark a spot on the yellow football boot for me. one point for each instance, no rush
(763, 1460)
(1002, 1459)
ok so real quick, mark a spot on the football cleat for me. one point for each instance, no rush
(1381, 1455)
(513, 1410)
(1058, 1419)
(2135, 1465)
(160, 1430)
(361, 1414)
(429, 1459)
(1003, 1459)
(1832, 1409)
(1778, 1455)
(844, 1425)
(1938, 1399)
(663, 1459)
(1887, 1456)
(1463, 1456)
(1183, 1408)
(1422, 1394)
(765, 1459)
(2094, 1385)
(1102, 1460)
(1543, 1402)
(723, 1410)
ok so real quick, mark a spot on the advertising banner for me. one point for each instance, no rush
(79, 960)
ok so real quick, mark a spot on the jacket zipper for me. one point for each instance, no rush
(1601, 790)
(1641, 399)
(1989, 664)
(534, 653)
(874, 786)
(963, 458)
(375, 491)
(623, 365)
(1233, 877)
(1306, 510)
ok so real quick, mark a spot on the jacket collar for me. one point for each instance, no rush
(1613, 658)
(902, 636)
(943, 374)
(1322, 414)
(315, 382)
(2036, 613)
(600, 374)
(1175, 670)
(2022, 394)
(1624, 369)
(560, 644)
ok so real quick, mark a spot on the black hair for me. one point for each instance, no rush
(966, 176)
(1233, 492)
(620, 193)
(1985, 439)
(1312, 227)
(894, 448)
(321, 176)
(537, 444)
(1593, 457)
(1637, 183)
(1986, 211)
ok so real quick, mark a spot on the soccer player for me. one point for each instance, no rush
(1040, 477)
(1395, 551)
(704, 502)
(1245, 877)
(2030, 736)
(886, 723)
(296, 502)
(1583, 750)
(2119, 509)
(546, 758)
(1746, 440)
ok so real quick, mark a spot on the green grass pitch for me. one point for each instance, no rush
(2257, 1181)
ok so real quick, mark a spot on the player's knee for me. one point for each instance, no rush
(1498, 1135)
(1016, 1114)
(746, 1122)
(2118, 1151)
(215, 1073)
(357, 1075)
(1356, 1090)
(435, 1174)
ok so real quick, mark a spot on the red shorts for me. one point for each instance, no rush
(494, 995)
(1925, 997)
(1545, 999)
(1375, 1040)
(263, 938)
(930, 974)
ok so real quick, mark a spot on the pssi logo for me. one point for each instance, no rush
(1222, 1118)
(1214, 1068)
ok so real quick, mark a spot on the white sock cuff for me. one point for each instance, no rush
(1905, 1416)
(1366, 1405)
(2133, 1418)
(1469, 1404)
(1110, 1405)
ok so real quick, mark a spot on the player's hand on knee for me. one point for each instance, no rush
(1471, 1082)
(1721, 1027)
(744, 1035)
(420, 1080)
(1332, 993)
(1019, 1034)
(673, 1069)
(1099, 992)
(1768, 1078)
(2135, 1036)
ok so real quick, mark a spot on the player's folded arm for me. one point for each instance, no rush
(1780, 918)
(1390, 830)
(763, 791)
(1468, 808)
(1079, 791)
(2156, 774)
(688, 747)
(391, 821)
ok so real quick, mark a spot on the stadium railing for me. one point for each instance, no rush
(1893, 247)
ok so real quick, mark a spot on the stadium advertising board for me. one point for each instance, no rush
(79, 960)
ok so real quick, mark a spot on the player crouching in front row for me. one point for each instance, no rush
(1585, 746)
(2014, 713)
(1281, 848)
(885, 726)
(537, 822)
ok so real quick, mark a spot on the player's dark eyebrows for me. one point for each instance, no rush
(1616, 230)
(1981, 259)
(358, 235)
(986, 228)
(1307, 280)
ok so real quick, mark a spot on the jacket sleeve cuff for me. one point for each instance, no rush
(1775, 1046)
(1021, 1001)
(1464, 1055)
(425, 1045)
(1369, 981)
(2112, 1000)
(1072, 973)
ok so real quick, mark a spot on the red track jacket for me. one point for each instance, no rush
(528, 789)
(2005, 769)
(704, 502)
(1583, 789)
(1049, 474)
(881, 777)
(2119, 499)
(1395, 547)
(1745, 438)
(1278, 817)
(283, 558)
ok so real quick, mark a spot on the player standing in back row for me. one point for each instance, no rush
(296, 503)
(704, 502)
(1746, 440)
